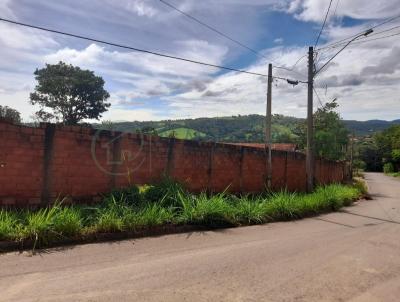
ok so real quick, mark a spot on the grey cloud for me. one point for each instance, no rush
(340, 81)
(387, 65)
(157, 91)
(197, 84)
(210, 93)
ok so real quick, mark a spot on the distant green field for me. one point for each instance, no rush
(182, 133)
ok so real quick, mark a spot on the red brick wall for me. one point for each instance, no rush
(37, 165)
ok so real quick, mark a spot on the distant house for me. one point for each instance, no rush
(280, 147)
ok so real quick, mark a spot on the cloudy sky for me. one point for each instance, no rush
(365, 77)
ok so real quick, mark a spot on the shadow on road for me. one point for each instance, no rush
(371, 217)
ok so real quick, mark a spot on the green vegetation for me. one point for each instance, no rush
(68, 94)
(10, 115)
(241, 128)
(166, 204)
(381, 151)
(249, 128)
(388, 168)
(331, 135)
(182, 133)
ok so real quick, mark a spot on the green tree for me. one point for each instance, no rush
(388, 143)
(368, 152)
(330, 133)
(10, 115)
(69, 93)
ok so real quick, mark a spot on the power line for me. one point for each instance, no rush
(379, 38)
(366, 33)
(350, 37)
(369, 40)
(336, 7)
(366, 40)
(384, 31)
(298, 61)
(319, 100)
(323, 24)
(138, 49)
(221, 33)
(210, 27)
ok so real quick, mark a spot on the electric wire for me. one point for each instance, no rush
(368, 40)
(365, 39)
(323, 24)
(336, 7)
(140, 50)
(319, 99)
(352, 36)
(223, 34)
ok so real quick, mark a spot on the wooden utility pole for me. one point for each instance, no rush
(268, 125)
(310, 124)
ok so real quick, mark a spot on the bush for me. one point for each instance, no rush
(396, 155)
(388, 168)
(359, 164)
(360, 186)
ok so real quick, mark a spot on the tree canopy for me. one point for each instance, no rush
(10, 115)
(69, 94)
(388, 142)
(330, 133)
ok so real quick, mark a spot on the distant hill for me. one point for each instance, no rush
(369, 127)
(242, 128)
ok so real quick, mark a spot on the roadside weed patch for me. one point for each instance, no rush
(212, 210)
(10, 226)
(159, 205)
(68, 221)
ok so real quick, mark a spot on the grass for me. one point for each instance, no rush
(117, 213)
(182, 133)
(394, 174)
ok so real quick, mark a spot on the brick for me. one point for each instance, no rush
(26, 130)
(34, 201)
(36, 139)
(75, 173)
(8, 201)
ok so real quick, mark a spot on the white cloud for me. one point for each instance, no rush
(139, 7)
(314, 10)
(360, 76)
(15, 38)
(132, 115)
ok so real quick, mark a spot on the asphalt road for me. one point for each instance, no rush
(348, 256)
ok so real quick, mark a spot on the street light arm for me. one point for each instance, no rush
(347, 44)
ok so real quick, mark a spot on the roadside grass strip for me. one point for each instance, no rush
(167, 204)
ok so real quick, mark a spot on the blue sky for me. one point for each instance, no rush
(364, 78)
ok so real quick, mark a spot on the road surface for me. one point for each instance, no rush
(347, 256)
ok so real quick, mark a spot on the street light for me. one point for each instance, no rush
(366, 33)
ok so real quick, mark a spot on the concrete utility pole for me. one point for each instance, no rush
(351, 154)
(310, 124)
(268, 125)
